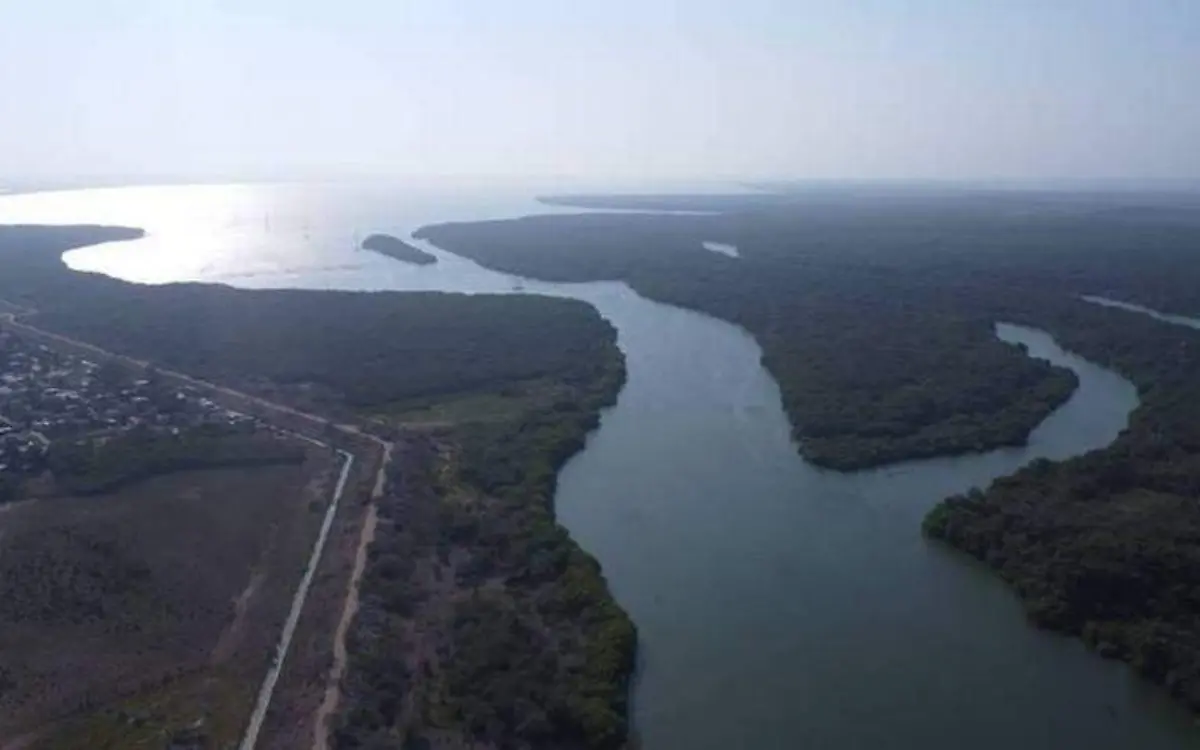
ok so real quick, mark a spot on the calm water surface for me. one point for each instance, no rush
(779, 605)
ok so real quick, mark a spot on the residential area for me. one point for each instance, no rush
(48, 395)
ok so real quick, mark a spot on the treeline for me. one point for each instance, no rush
(1106, 546)
(874, 307)
(875, 363)
(355, 348)
(94, 466)
(520, 643)
(868, 310)
(369, 349)
(580, 698)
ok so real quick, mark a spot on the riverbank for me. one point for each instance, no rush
(875, 365)
(469, 561)
(548, 366)
(1104, 546)
(850, 631)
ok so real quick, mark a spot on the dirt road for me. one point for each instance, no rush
(289, 627)
(333, 688)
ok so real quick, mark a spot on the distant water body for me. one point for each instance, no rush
(1179, 320)
(779, 605)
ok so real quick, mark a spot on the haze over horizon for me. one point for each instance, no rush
(619, 91)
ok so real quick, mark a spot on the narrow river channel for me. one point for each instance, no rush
(779, 605)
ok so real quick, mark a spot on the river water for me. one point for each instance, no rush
(778, 605)
(1179, 320)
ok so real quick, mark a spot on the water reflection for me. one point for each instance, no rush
(721, 248)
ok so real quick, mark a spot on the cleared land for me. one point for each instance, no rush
(149, 614)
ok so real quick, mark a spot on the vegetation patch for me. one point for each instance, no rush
(324, 350)
(1106, 546)
(876, 362)
(397, 249)
(482, 623)
(875, 315)
(93, 466)
(546, 367)
(506, 402)
(153, 609)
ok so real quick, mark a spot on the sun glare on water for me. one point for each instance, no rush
(189, 228)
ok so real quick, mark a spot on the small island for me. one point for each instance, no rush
(385, 244)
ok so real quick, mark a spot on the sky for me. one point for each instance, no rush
(615, 90)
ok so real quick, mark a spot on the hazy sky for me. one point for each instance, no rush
(615, 89)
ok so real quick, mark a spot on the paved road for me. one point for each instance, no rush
(289, 627)
(333, 687)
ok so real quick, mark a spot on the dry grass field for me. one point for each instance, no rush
(147, 616)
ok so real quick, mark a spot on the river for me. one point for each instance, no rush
(778, 605)
(1179, 320)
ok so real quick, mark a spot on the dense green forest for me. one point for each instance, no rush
(355, 348)
(862, 303)
(397, 249)
(875, 365)
(874, 308)
(481, 622)
(1107, 545)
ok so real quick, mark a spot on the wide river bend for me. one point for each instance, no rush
(779, 605)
